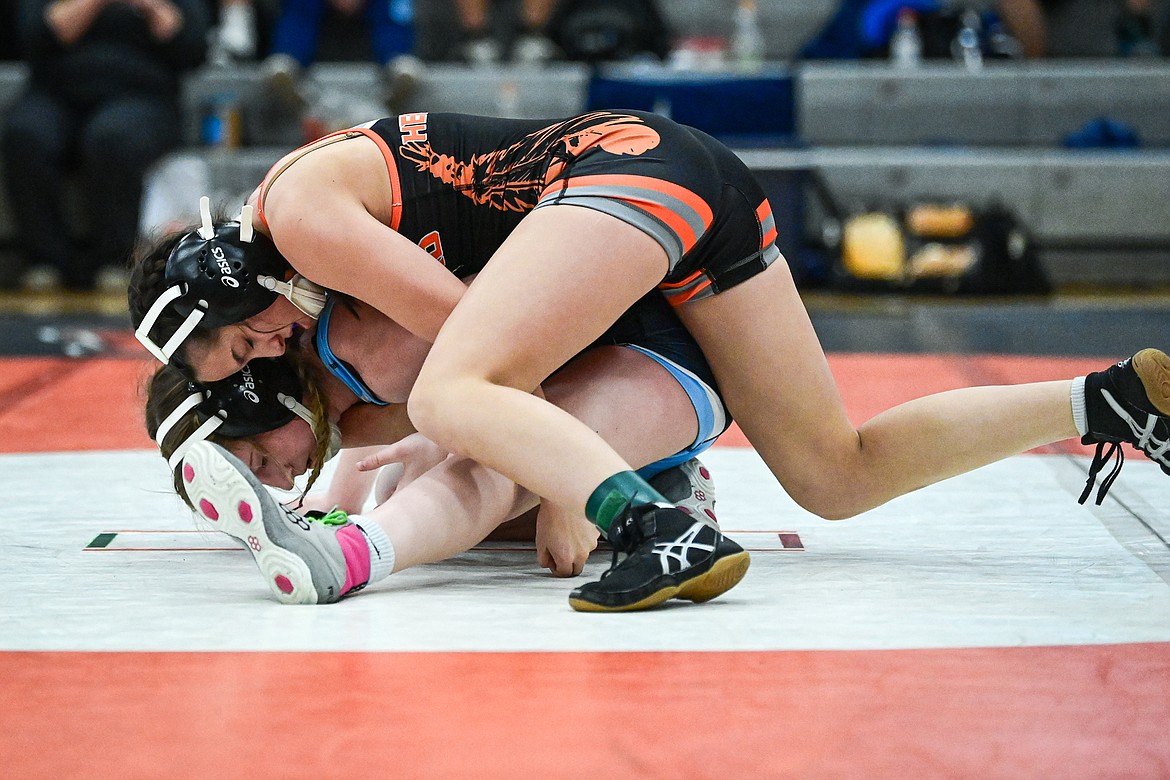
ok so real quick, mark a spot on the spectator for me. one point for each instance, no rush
(482, 48)
(1082, 28)
(101, 106)
(297, 32)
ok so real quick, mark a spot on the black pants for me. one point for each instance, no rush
(105, 150)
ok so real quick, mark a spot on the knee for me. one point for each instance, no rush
(829, 499)
(433, 407)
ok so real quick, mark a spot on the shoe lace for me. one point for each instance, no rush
(619, 538)
(1106, 451)
(334, 516)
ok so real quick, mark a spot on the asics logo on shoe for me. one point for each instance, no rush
(295, 519)
(676, 555)
(1146, 441)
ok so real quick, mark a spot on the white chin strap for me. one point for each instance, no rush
(305, 295)
(213, 423)
(199, 434)
(165, 352)
(301, 411)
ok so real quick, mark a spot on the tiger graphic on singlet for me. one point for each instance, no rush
(512, 178)
(462, 184)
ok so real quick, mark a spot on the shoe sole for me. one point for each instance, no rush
(723, 575)
(232, 504)
(1153, 369)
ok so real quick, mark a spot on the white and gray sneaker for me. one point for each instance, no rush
(304, 560)
(689, 486)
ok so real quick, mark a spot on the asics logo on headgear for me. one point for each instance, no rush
(249, 385)
(224, 268)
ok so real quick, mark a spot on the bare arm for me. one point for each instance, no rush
(329, 214)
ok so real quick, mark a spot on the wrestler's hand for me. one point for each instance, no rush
(564, 540)
(416, 453)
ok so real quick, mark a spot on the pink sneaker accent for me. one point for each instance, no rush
(245, 511)
(357, 557)
(283, 583)
(208, 510)
(188, 472)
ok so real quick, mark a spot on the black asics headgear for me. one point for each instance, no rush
(215, 275)
(261, 397)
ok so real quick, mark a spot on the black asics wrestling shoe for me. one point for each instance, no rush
(668, 554)
(1127, 403)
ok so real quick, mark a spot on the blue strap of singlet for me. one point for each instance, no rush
(335, 365)
(709, 411)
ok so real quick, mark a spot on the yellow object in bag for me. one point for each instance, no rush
(872, 247)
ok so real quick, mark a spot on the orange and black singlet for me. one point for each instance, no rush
(462, 183)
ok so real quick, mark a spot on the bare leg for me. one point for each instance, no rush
(1025, 19)
(545, 298)
(777, 384)
(536, 13)
(627, 397)
(472, 14)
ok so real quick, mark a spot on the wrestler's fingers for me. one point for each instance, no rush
(383, 457)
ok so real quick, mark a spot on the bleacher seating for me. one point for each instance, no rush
(877, 135)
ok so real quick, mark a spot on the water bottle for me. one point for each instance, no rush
(906, 42)
(747, 44)
(966, 47)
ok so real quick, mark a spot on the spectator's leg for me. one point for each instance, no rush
(533, 47)
(536, 14)
(37, 139)
(391, 25)
(479, 48)
(297, 30)
(1025, 20)
(120, 142)
(391, 28)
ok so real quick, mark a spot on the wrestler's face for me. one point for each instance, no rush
(232, 346)
(278, 456)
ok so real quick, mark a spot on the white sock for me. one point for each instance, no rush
(381, 549)
(1077, 396)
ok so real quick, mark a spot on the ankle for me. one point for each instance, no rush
(1079, 413)
(615, 494)
(368, 553)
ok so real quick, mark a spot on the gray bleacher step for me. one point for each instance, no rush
(1003, 104)
(1099, 216)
